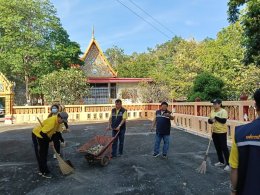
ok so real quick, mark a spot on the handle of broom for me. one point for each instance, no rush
(207, 151)
(210, 139)
(39, 121)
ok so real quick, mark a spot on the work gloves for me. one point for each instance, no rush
(210, 121)
(45, 136)
(220, 120)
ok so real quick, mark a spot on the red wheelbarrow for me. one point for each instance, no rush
(98, 149)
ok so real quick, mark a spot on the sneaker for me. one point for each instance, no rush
(119, 155)
(219, 164)
(54, 156)
(40, 173)
(46, 175)
(227, 168)
(156, 155)
(165, 156)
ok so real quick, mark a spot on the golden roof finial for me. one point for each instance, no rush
(93, 32)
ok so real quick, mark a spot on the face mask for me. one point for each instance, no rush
(54, 110)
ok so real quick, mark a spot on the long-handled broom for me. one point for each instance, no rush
(64, 167)
(203, 167)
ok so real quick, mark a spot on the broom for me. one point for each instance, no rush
(203, 167)
(66, 168)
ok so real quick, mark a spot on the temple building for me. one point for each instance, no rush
(105, 85)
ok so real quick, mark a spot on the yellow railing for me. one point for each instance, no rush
(28, 114)
(191, 116)
(237, 110)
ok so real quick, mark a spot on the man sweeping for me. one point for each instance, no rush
(41, 136)
(162, 121)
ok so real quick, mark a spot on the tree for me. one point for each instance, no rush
(116, 56)
(178, 70)
(137, 66)
(153, 92)
(67, 86)
(250, 22)
(32, 41)
(206, 87)
(129, 94)
(223, 57)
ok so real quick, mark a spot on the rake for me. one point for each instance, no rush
(65, 167)
(203, 167)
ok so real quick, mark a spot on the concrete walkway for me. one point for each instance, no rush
(136, 172)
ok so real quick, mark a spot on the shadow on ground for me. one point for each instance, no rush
(136, 172)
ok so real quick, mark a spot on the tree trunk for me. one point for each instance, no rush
(27, 94)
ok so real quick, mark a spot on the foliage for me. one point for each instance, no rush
(153, 92)
(67, 86)
(206, 87)
(129, 94)
(137, 66)
(251, 26)
(250, 22)
(32, 41)
(116, 56)
(233, 9)
(176, 63)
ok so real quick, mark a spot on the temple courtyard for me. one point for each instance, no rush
(136, 172)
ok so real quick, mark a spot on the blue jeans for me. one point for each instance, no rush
(158, 138)
(121, 138)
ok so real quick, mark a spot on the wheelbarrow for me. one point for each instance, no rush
(98, 149)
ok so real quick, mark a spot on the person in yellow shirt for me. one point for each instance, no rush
(41, 136)
(57, 138)
(117, 122)
(218, 119)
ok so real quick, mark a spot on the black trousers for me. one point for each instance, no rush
(220, 142)
(41, 147)
(57, 138)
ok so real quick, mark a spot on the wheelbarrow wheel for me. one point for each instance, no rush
(89, 160)
(104, 161)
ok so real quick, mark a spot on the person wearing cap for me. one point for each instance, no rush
(162, 121)
(57, 138)
(41, 136)
(245, 156)
(218, 119)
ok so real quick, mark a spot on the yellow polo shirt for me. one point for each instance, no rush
(50, 126)
(124, 115)
(233, 158)
(217, 126)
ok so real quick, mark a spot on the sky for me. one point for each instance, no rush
(116, 25)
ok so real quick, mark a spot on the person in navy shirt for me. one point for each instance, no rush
(162, 121)
(245, 156)
(117, 122)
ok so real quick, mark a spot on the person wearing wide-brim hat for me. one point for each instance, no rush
(41, 136)
(218, 119)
